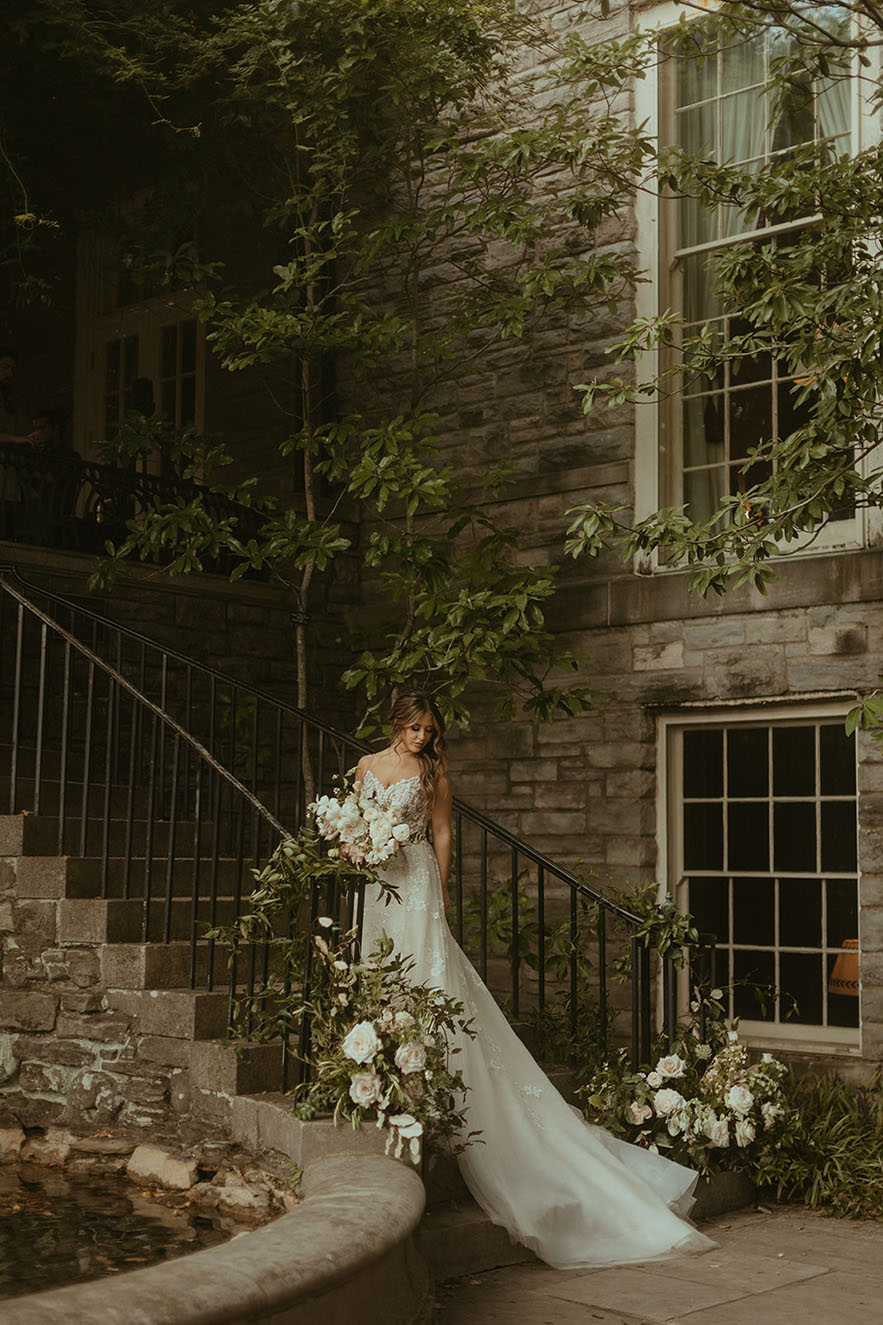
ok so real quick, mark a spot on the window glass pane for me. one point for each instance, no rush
(188, 346)
(188, 400)
(708, 903)
(169, 351)
(168, 401)
(742, 128)
(112, 365)
(800, 913)
(742, 63)
(748, 835)
(752, 969)
(791, 113)
(703, 491)
(794, 761)
(754, 908)
(800, 987)
(794, 836)
(703, 763)
(843, 987)
(131, 360)
(696, 65)
(696, 129)
(703, 430)
(833, 105)
(836, 761)
(842, 919)
(751, 420)
(748, 761)
(703, 837)
(838, 836)
(700, 299)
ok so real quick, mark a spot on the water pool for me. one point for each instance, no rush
(59, 1228)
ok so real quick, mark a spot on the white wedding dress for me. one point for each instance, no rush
(566, 1189)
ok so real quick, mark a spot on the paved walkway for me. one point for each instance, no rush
(786, 1266)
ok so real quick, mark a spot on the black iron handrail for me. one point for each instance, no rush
(234, 724)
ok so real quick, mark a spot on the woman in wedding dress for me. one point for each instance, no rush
(566, 1189)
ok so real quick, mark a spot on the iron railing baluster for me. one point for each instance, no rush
(41, 705)
(516, 960)
(16, 711)
(172, 840)
(65, 741)
(87, 756)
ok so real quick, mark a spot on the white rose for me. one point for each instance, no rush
(672, 1066)
(767, 1058)
(770, 1113)
(654, 1080)
(667, 1101)
(362, 1042)
(401, 832)
(744, 1132)
(675, 1124)
(739, 1099)
(403, 1020)
(365, 1089)
(718, 1133)
(411, 1057)
(640, 1112)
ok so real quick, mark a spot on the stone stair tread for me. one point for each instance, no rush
(459, 1238)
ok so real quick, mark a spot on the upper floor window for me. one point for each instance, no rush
(720, 100)
(137, 350)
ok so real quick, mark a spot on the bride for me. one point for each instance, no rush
(569, 1191)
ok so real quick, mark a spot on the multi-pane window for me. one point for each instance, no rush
(720, 102)
(767, 845)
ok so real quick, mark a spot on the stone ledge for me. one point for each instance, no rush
(348, 1244)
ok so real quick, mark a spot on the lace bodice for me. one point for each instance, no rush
(407, 797)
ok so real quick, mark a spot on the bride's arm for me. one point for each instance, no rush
(441, 833)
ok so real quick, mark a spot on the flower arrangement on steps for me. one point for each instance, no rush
(705, 1103)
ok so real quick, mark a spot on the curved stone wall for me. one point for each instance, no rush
(345, 1254)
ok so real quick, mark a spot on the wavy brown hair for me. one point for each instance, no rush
(407, 706)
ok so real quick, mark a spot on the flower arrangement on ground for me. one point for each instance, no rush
(365, 831)
(704, 1103)
(384, 1049)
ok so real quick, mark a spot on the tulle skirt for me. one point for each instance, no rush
(566, 1189)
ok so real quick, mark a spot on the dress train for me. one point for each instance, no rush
(565, 1188)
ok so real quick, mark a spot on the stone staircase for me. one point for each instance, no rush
(100, 1029)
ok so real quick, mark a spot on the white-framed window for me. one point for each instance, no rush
(762, 850)
(136, 349)
(717, 100)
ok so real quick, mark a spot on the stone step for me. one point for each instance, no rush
(121, 920)
(27, 834)
(51, 877)
(182, 1014)
(458, 1239)
(162, 965)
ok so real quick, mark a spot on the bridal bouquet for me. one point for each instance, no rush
(384, 1049)
(365, 831)
(705, 1103)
